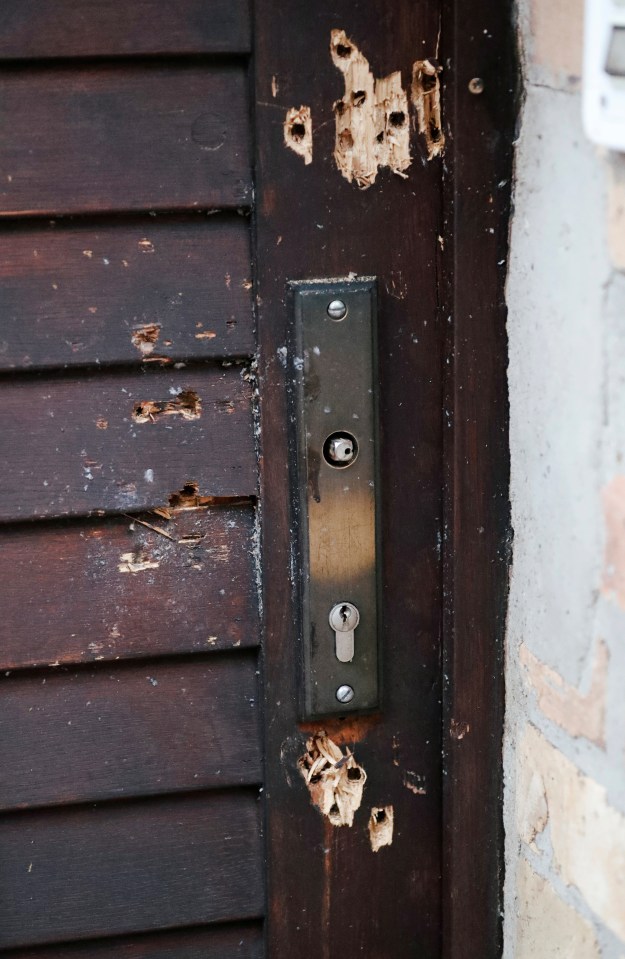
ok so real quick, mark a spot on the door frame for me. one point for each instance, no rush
(482, 119)
(477, 41)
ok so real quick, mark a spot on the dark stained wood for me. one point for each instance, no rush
(241, 941)
(147, 291)
(122, 868)
(311, 224)
(477, 549)
(129, 731)
(70, 594)
(119, 138)
(82, 28)
(91, 454)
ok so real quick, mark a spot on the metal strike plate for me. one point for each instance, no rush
(332, 360)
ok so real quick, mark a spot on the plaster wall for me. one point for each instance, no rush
(565, 674)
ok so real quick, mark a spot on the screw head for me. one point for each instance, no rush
(476, 85)
(337, 310)
(345, 694)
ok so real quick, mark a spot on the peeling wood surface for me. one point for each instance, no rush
(231, 941)
(372, 122)
(381, 825)
(93, 455)
(114, 138)
(426, 96)
(65, 600)
(82, 28)
(115, 869)
(313, 223)
(75, 294)
(298, 135)
(134, 730)
(334, 779)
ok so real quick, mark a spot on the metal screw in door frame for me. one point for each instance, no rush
(345, 694)
(337, 310)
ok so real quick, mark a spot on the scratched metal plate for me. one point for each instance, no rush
(333, 387)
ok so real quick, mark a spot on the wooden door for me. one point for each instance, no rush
(166, 171)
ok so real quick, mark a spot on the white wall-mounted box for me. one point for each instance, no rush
(604, 72)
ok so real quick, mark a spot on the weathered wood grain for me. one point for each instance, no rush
(129, 731)
(115, 138)
(121, 868)
(82, 28)
(86, 449)
(483, 130)
(236, 941)
(70, 594)
(149, 291)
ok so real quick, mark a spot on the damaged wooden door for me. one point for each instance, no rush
(167, 171)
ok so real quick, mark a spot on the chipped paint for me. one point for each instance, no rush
(136, 562)
(145, 337)
(426, 98)
(381, 824)
(334, 779)
(186, 404)
(298, 134)
(372, 128)
(414, 782)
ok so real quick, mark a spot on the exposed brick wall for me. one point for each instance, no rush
(565, 731)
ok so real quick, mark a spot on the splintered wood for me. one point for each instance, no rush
(426, 97)
(372, 123)
(381, 823)
(298, 132)
(335, 780)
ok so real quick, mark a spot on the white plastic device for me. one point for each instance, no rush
(604, 73)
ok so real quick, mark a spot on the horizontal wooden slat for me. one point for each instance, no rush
(70, 595)
(240, 941)
(130, 731)
(121, 868)
(84, 28)
(114, 138)
(69, 446)
(150, 291)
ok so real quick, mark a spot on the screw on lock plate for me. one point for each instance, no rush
(344, 618)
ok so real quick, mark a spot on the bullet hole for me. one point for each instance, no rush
(186, 404)
(343, 51)
(358, 97)
(397, 118)
(380, 137)
(380, 815)
(298, 134)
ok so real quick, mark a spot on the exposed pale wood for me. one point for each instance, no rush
(125, 292)
(86, 452)
(66, 600)
(240, 941)
(129, 731)
(119, 868)
(88, 28)
(119, 138)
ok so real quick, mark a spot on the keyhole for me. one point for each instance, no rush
(344, 613)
